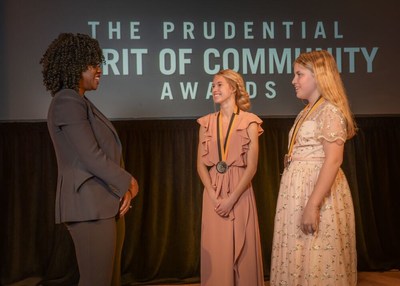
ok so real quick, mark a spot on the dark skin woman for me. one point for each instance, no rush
(94, 191)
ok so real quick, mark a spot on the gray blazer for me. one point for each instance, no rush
(90, 178)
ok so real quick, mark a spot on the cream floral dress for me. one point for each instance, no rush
(328, 257)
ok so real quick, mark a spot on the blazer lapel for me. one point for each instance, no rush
(103, 118)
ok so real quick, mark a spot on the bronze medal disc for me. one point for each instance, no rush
(222, 167)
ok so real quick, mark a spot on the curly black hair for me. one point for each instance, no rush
(66, 58)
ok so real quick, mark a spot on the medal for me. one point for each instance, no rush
(222, 167)
(288, 157)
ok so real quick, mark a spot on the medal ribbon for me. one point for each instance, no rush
(223, 150)
(319, 101)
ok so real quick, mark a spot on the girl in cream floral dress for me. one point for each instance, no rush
(314, 233)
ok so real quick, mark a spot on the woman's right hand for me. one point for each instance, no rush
(134, 188)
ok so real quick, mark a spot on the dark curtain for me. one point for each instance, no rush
(162, 242)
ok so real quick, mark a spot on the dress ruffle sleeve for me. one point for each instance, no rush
(245, 119)
(331, 124)
(205, 122)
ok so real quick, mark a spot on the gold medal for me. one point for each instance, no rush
(288, 157)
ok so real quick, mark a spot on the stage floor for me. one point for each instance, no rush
(387, 278)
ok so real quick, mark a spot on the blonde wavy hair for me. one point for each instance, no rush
(322, 64)
(235, 80)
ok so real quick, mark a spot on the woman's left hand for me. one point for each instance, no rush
(224, 207)
(125, 203)
(310, 219)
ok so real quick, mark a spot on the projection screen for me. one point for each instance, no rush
(161, 56)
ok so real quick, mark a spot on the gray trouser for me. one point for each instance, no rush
(95, 243)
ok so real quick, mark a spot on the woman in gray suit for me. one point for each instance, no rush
(93, 189)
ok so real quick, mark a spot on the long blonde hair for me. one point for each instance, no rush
(235, 80)
(323, 66)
